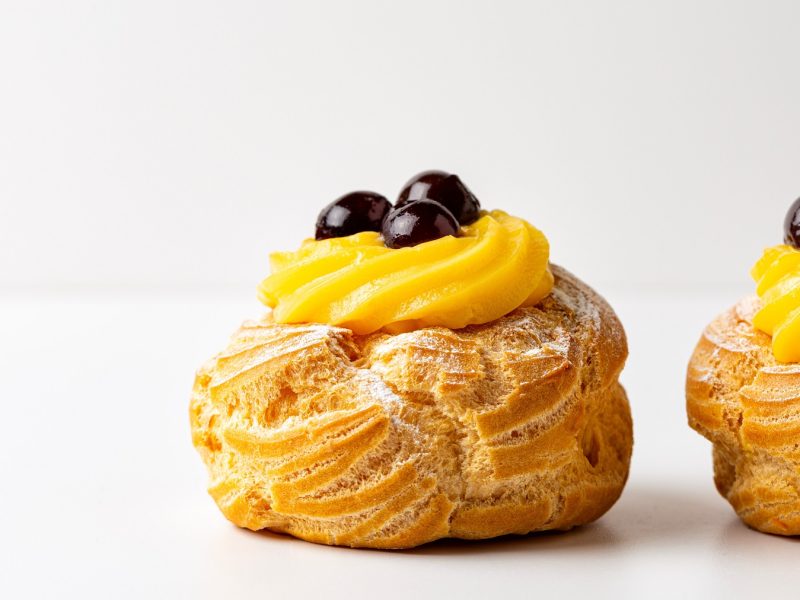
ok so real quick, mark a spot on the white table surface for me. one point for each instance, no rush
(103, 495)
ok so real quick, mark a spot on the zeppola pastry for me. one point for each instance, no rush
(743, 392)
(424, 372)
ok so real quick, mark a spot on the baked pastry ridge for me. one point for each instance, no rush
(743, 391)
(748, 404)
(393, 440)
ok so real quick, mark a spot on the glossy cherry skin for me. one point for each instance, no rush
(417, 187)
(352, 213)
(444, 188)
(418, 222)
(791, 226)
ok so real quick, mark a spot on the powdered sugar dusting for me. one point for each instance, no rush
(377, 389)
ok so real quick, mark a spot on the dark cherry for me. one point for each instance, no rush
(417, 187)
(353, 212)
(444, 188)
(417, 222)
(791, 226)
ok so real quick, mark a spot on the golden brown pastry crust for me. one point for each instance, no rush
(391, 441)
(748, 404)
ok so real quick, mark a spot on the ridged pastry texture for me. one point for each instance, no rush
(748, 404)
(391, 441)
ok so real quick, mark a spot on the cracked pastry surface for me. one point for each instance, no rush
(748, 404)
(394, 440)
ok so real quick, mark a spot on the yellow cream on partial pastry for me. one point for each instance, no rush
(778, 278)
(498, 263)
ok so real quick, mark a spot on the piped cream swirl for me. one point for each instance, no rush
(777, 274)
(499, 263)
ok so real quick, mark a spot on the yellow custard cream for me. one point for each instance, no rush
(778, 278)
(498, 263)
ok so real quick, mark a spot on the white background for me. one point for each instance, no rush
(152, 154)
(176, 144)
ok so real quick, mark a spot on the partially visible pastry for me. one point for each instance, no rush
(743, 392)
(427, 375)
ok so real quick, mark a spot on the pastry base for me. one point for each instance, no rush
(748, 404)
(391, 441)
